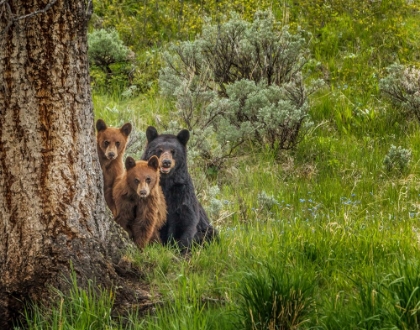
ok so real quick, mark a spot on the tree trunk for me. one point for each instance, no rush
(52, 211)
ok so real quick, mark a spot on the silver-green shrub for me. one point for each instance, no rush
(106, 48)
(215, 205)
(239, 82)
(397, 158)
(266, 201)
(402, 87)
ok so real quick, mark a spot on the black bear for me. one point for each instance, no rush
(187, 222)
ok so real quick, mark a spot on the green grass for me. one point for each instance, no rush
(141, 111)
(324, 227)
(331, 213)
(323, 231)
(88, 308)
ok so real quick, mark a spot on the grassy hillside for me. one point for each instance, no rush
(323, 236)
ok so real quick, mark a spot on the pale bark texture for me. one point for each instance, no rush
(52, 210)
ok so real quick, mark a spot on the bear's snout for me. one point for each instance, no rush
(166, 163)
(110, 155)
(143, 193)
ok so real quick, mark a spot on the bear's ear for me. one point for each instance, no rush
(100, 125)
(153, 162)
(183, 136)
(130, 163)
(126, 129)
(151, 133)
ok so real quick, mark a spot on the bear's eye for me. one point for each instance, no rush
(173, 152)
(148, 180)
(117, 144)
(137, 181)
(106, 143)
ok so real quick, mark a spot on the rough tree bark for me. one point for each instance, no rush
(52, 210)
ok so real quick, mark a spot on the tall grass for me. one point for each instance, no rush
(320, 237)
(88, 308)
(274, 298)
(323, 231)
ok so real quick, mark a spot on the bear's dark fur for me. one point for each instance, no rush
(187, 222)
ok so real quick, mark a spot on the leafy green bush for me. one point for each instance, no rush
(402, 87)
(242, 80)
(266, 201)
(397, 158)
(215, 204)
(107, 49)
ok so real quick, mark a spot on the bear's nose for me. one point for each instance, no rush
(111, 155)
(143, 193)
(166, 163)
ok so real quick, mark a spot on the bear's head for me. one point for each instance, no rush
(112, 141)
(170, 149)
(142, 176)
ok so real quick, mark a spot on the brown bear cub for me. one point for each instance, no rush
(141, 206)
(111, 143)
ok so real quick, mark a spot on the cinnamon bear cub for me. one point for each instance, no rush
(187, 222)
(140, 204)
(111, 143)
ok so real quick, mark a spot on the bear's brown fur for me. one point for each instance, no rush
(111, 144)
(139, 200)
